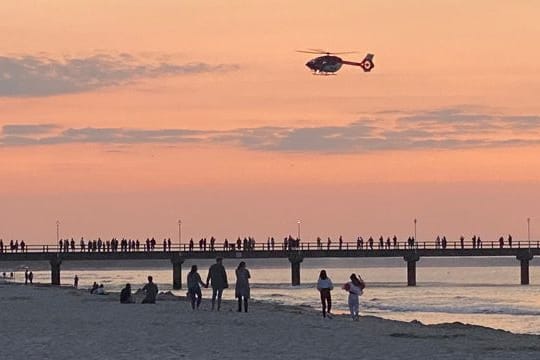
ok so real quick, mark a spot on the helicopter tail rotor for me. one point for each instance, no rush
(366, 64)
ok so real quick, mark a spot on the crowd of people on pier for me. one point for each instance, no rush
(249, 244)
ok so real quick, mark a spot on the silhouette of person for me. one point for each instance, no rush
(151, 291)
(217, 276)
(241, 289)
(76, 282)
(31, 277)
(194, 289)
(125, 295)
(325, 286)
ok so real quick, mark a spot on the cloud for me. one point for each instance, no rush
(437, 129)
(32, 75)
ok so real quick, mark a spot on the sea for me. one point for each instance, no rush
(479, 291)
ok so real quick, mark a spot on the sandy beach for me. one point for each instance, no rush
(43, 322)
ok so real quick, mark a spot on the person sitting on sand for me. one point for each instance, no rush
(325, 286)
(218, 275)
(125, 295)
(151, 291)
(355, 288)
(194, 283)
(94, 288)
(100, 290)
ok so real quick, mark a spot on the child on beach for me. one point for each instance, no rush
(325, 286)
(194, 289)
(355, 288)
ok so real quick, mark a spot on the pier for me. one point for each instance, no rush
(522, 251)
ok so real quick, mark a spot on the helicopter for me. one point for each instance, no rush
(329, 63)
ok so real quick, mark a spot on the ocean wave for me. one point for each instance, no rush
(376, 306)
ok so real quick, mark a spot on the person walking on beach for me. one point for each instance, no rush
(355, 288)
(31, 277)
(76, 282)
(26, 277)
(241, 289)
(325, 286)
(194, 290)
(217, 276)
(151, 291)
(125, 295)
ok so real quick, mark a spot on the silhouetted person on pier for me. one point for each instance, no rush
(478, 243)
(241, 289)
(328, 243)
(82, 245)
(191, 244)
(169, 244)
(194, 283)
(325, 286)
(125, 295)
(381, 242)
(509, 241)
(164, 245)
(1, 246)
(226, 244)
(60, 245)
(239, 244)
(438, 242)
(151, 291)
(388, 243)
(394, 240)
(340, 242)
(370, 242)
(474, 241)
(76, 282)
(462, 241)
(272, 242)
(72, 243)
(217, 277)
(501, 242)
(443, 242)
(23, 246)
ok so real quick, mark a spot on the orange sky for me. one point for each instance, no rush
(118, 118)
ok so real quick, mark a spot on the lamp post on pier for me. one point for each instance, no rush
(415, 240)
(529, 231)
(57, 231)
(179, 235)
(298, 229)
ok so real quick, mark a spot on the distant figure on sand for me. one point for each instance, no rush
(100, 290)
(26, 277)
(325, 286)
(355, 288)
(31, 277)
(94, 288)
(217, 276)
(241, 290)
(194, 289)
(125, 295)
(76, 282)
(151, 291)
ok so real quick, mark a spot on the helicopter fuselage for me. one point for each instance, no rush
(325, 64)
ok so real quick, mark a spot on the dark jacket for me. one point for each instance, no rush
(218, 276)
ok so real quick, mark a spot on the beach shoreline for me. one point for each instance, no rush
(46, 322)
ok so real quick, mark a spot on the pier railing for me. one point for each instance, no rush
(265, 246)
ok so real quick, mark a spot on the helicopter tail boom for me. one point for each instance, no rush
(366, 64)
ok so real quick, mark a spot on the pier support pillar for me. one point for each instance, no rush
(524, 258)
(177, 272)
(55, 271)
(411, 260)
(295, 260)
